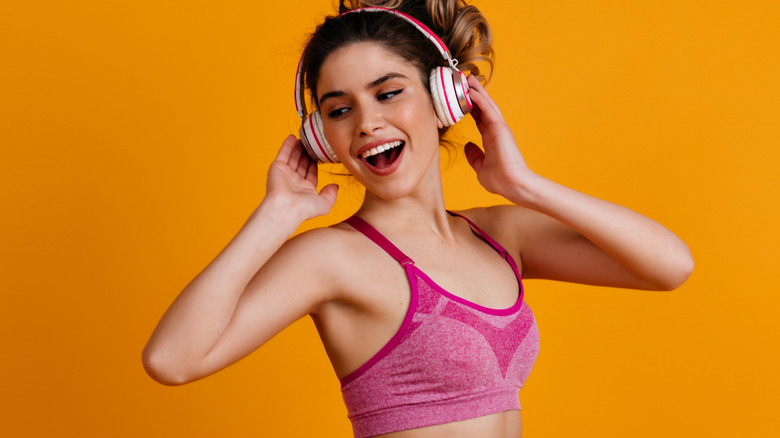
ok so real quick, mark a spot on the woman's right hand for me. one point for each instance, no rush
(292, 180)
(233, 306)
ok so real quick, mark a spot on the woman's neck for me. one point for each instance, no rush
(421, 209)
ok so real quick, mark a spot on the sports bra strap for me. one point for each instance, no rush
(500, 249)
(377, 237)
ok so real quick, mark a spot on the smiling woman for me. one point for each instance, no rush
(420, 309)
(381, 122)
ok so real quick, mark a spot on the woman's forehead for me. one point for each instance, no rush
(361, 64)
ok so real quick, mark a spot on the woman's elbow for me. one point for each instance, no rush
(678, 272)
(161, 369)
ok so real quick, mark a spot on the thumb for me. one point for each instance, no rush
(474, 155)
(329, 193)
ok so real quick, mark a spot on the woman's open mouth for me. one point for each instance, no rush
(383, 156)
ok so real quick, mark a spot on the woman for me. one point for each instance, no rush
(420, 309)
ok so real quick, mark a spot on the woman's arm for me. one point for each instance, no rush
(234, 305)
(566, 235)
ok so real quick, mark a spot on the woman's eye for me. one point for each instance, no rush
(389, 94)
(338, 112)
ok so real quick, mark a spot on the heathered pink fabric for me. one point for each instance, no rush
(451, 359)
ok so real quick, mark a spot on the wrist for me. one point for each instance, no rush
(279, 212)
(527, 191)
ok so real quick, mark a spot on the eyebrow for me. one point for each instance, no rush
(369, 86)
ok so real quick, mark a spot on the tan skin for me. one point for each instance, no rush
(254, 287)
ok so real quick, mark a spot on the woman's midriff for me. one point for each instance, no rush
(507, 424)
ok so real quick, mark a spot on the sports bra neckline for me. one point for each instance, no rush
(406, 262)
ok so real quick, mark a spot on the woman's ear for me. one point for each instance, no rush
(439, 123)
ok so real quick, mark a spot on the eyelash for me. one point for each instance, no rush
(390, 94)
(335, 114)
(382, 97)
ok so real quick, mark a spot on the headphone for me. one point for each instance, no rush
(449, 90)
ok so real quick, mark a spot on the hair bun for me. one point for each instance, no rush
(461, 26)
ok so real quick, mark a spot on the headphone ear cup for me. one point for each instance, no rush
(462, 90)
(450, 95)
(313, 138)
(439, 98)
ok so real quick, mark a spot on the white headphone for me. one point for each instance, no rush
(449, 90)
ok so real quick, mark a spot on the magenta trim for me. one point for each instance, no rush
(317, 139)
(489, 310)
(415, 22)
(299, 105)
(497, 246)
(396, 339)
(406, 417)
(411, 270)
(503, 253)
(378, 238)
(446, 95)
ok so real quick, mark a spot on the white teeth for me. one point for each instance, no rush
(381, 148)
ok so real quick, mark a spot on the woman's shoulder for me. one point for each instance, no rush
(340, 259)
(329, 251)
(507, 224)
(332, 241)
(497, 216)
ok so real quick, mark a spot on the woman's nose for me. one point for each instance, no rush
(371, 121)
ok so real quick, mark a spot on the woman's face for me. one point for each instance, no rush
(378, 117)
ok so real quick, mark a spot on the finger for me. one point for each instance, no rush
(311, 172)
(483, 102)
(489, 121)
(287, 147)
(295, 155)
(476, 86)
(303, 165)
(476, 114)
(474, 155)
(487, 111)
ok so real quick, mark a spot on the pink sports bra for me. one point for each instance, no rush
(451, 359)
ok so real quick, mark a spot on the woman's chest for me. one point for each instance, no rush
(381, 294)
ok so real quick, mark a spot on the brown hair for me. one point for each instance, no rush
(462, 27)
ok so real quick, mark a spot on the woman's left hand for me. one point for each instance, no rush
(576, 238)
(501, 168)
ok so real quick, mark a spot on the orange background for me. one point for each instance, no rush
(135, 139)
